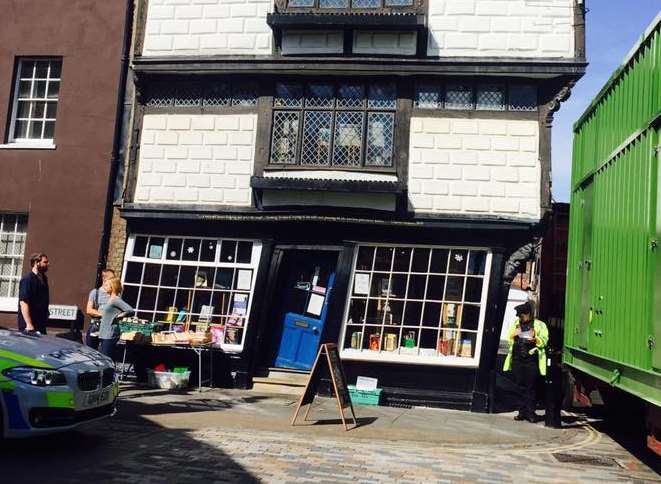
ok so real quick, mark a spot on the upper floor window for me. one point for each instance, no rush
(326, 124)
(481, 96)
(209, 95)
(349, 4)
(13, 232)
(36, 94)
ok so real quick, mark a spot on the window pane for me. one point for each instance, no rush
(49, 129)
(383, 260)
(458, 262)
(140, 246)
(333, 3)
(24, 89)
(523, 97)
(431, 315)
(477, 262)
(244, 252)
(228, 251)
(316, 138)
(130, 294)
(301, 3)
(170, 276)
(320, 95)
(21, 129)
(23, 109)
(191, 249)
(382, 96)
(365, 258)
(38, 109)
(402, 259)
(366, 3)
(55, 69)
(350, 95)
(39, 89)
(288, 95)
(490, 97)
(147, 300)
(53, 89)
(27, 69)
(439, 261)
(224, 278)
(455, 289)
(420, 260)
(380, 132)
(244, 94)
(474, 289)
(152, 274)
(470, 317)
(417, 285)
(285, 137)
(51, 110)
(435, 288)
(208, 253)
(41, 71)
(458, 96)
(348, 144)
(174, 249)
(36, 128)
(155, 249)
(428, 96)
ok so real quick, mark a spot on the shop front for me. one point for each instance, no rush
(420, 316)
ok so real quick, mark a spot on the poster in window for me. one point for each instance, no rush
(244, 280)
(361, 284)
(155, 251)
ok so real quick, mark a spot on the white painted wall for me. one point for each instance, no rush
(391, 43)
(196, 159)
(507, 28)
(475, 166)
(207, 27)
(312, 42)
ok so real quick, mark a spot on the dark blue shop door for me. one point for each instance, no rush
(305, 311)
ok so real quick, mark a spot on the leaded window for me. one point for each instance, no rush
(416, 303)
(36, 96)
(334, 124)
(209, 95)
(349, 4)
(13, 232)
(207, 281)
(482, 96)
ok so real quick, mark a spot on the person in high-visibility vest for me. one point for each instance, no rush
(526, 359)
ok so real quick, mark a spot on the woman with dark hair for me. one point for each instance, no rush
(114, 309)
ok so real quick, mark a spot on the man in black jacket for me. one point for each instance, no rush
(33, 298)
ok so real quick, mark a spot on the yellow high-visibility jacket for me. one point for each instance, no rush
(541, 340)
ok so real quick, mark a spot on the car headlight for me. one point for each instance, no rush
(35, 376)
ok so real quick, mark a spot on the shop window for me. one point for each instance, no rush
(211, 279)
(415, 304)
(13, 232)
(36, 97)
(325, 124)
(467, 96)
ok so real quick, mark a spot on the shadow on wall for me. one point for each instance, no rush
(126, 448)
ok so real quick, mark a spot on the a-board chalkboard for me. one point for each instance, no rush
(328, 357)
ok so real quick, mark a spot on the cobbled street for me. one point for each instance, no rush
(233, 436)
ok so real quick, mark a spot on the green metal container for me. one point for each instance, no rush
(613, 302)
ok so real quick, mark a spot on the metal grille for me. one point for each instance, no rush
(189, 96)
(333, 3)
(348, 139)
(490, 98)
(89, 380)
(428, 96)
(285, 137)
(316, 138)
(380, 131)
(108, 377)
(458, 96)
(523, 98)
(351, 96)
(244, 94)
(288, 95)
(320, 96)
(382, 96)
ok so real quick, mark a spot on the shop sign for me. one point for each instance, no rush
(64, 312)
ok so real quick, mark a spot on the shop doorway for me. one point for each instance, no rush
(304, 290)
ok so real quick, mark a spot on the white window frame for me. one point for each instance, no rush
(9, 303)
(32, 142)
(383, 356)
(253, 265)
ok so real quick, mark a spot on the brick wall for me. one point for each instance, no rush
(508, 28)
(115, 256)
(207, 27)
(196, 159)
(475, 166)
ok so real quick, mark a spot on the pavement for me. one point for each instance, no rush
(244, 436)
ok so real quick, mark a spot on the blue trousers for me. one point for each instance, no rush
(107, 346)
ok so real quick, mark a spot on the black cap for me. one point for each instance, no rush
(524, 308)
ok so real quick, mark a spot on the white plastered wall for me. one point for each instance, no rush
(501, 28)
(196, 159)
(207, 27)
(475, 166)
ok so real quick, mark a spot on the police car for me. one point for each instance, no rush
(50, 384)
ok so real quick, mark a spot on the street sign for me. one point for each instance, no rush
(63, 312)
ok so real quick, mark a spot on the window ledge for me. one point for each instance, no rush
(28, 146)
(9, 304)
(329, 185)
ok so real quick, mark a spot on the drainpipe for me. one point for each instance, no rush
(120, 138)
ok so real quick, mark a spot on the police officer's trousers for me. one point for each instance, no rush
(525, 373)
